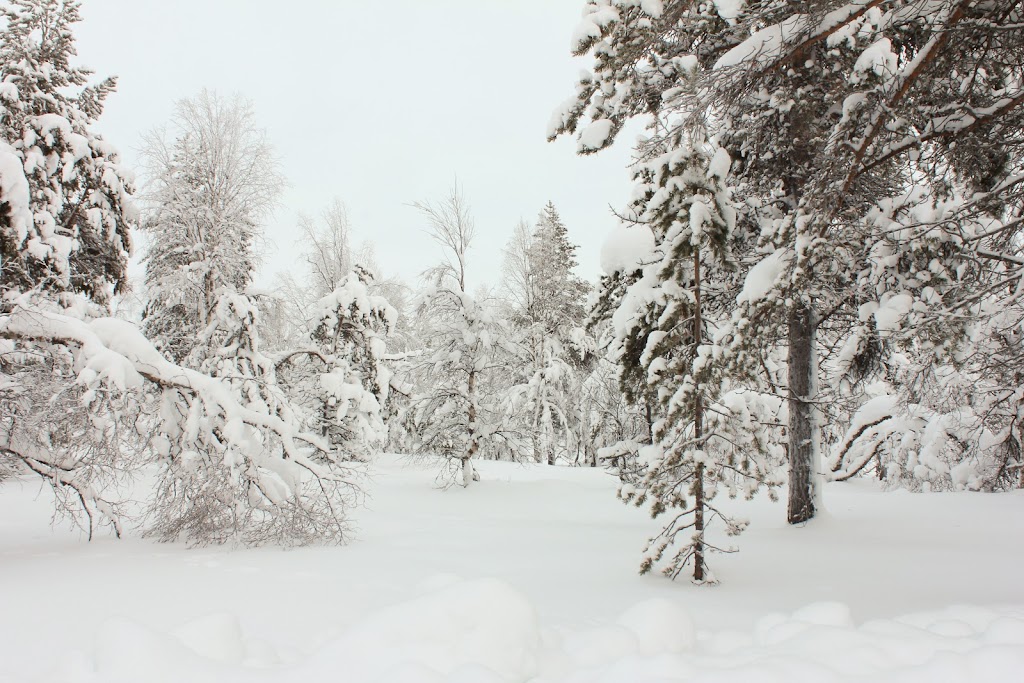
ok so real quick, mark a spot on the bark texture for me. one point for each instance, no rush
(801, 414)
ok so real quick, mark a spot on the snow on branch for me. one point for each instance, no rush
(290, 489)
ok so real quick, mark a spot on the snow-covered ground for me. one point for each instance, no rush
(528, 576)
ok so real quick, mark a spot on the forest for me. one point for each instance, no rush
(817, 280)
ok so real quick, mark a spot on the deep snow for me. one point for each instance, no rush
(529, 575)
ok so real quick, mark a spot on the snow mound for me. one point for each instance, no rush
(467, 631)
(217, 637)
(660, 626)
(483, 631)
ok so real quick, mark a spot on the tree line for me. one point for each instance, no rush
(817, 277)
(255, 409)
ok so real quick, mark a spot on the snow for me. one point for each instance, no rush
(654, 8)
(595, 17)
(877, 58)
(15, 191)
(595, 136)
(891, 311)
(763, 277)
(626, 248)
(528, 576)
(764, 45)
(720, 164)
(769, 43)
(729, 9)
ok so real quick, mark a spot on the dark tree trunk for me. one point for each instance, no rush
(801, 414)
(468, 473)
(698, 432)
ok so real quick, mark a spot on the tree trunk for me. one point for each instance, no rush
(698, 433)
(468, 475)
(549, 436)
(802, 433)
(209, 298)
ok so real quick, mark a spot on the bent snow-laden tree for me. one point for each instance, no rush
(261, 479)
(80, 394)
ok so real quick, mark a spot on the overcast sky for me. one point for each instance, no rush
(378, 104)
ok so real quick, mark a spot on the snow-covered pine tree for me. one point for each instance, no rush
(546, 301)
(208, 190)
(647, 58)
(452, 413)
(826, 108)
(67, 204)
(707, 433)
(558, 306)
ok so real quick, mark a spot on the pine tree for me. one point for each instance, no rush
(706, 434)
(558, 304)
(842, 119)
(350, 379)
(546, 301)
(67, 199)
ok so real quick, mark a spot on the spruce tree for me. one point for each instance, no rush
(546, 300)
(67, 206)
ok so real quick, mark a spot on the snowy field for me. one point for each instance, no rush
(530, 576)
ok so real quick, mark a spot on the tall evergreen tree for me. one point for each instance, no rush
(547, 306)
(560, 295)
(707, 434)
(71, 232)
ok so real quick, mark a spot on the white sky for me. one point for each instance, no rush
(379, 104)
